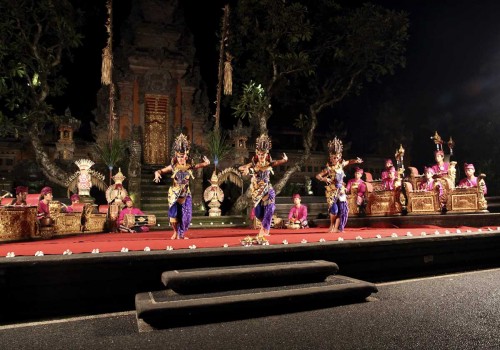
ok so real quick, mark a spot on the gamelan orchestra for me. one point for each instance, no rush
(433, 190)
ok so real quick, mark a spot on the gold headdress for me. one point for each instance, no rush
(119, 177)
(181, 145)
(263, 143)
(438, 141)
(335, 146)
(84, 164)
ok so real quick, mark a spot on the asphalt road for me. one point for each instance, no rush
(459, 311)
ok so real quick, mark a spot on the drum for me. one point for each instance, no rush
(131, 220)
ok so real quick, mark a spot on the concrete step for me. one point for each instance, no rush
(209, 280)
(222, 293)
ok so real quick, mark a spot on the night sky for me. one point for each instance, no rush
(451, 78)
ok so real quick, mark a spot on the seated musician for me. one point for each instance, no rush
(21, 193)
(129, 209)
(359, 187)
(43, 206)
(441, 167)
(387, 169)
(75, 199)
(471, 180)
(391, 182)
(297, 217)
(430, 184)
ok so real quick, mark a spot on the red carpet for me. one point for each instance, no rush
(213, 238)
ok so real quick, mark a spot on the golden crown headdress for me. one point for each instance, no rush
(119, 177)
(181, 144)
(335, 146)
(263, 143)
(84, 164)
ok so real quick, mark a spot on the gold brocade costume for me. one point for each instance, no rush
(179, 190)
(261, 183)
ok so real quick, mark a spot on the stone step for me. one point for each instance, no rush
(164, 309)
(209, 280)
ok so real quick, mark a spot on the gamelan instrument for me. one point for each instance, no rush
(131, 220)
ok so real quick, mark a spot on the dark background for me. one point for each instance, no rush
(450, 83)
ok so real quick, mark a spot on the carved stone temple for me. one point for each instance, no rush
(158, 84)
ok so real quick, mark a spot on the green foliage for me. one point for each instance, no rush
(218, 146)
(310, 55)
(111, 153)
(253, 102)
(34, 36)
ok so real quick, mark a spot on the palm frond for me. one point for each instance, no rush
(232, 175)
(218, 146)
(111, 153)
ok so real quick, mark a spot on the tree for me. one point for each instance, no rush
(34, 37)
(310, 55)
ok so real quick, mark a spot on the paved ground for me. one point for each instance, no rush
(460, 311)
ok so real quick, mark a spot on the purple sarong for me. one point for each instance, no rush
(264, 212)
(183, 213)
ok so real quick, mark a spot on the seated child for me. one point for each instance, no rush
(297, 218)
(129, 209)
(75, 199)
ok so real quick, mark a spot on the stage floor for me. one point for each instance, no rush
(220, 238)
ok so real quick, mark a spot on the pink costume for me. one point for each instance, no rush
(440, 169)
(432, 185)
(361, 189)
(43, 208)
(134, 211)
(388, 166)
(388, 184)
(299, 213)
(470, 181)
(428, 185)
(73, 198)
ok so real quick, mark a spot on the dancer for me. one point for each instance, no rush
(471, 180)
(179, 195)
(297, 218)
(333, 174)
(263, 194)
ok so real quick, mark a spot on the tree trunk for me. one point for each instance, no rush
(307, 143)
(243, 202)
(51, 171)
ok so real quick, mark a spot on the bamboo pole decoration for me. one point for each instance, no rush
(107, 69)
(107, 52)
(223, 42)
(228, 75)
